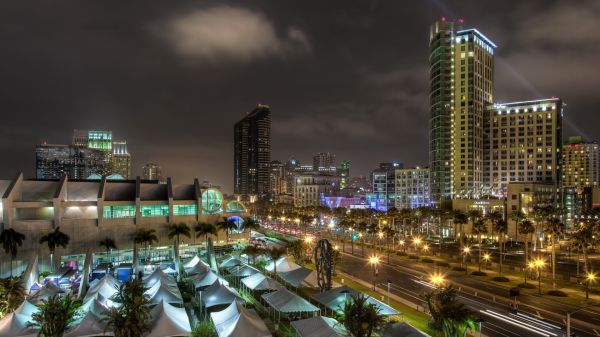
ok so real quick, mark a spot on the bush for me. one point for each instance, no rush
(426, 260)
(204, 329)
(401, 253)
(526, 285)
(443, 264)
(557, 293)
(413, 257)
(458, 268)
(500, 279)
(479, 273)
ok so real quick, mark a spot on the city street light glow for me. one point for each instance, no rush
(486, 256)
(467, 250)
(380, 234)
(591, 277)
(374, 260)
(437, 279)
(417, 241)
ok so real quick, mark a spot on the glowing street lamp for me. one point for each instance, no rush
(466, 251)
(538, 264)
(486, 258)
(374, 262)
(425, 248)
(417, 242)
(437, 279)
(402, 245)
(590, 278)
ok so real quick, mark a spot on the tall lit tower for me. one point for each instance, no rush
(461, 87)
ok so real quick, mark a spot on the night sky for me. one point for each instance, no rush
(349, 77)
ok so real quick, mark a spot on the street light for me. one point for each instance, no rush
(486, 258)
(437, 279)
(590, 278)
(425, 248)
(538, 264)
(466, 251)
(374, 262)
(417, 242)
(402, 245)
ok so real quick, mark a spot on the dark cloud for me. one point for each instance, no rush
(345, 76)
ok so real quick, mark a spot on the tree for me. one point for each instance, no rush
(11, 240)
(360, 317)
(448, 317)
(362, 230)
(517, 216)
(250, 223)
(55, 316)
(493, 217)
(226, 225)
(206, 229)
(581, 240)
(274, 255)
(108, 244)
(176, 231)
(204, 329)
(145, 237)
(501, 227)
(554, 227)
(390, 234)
(474, 215)
(251, 250)
(526, 228)
(479, 227)
(55, 239)
(460, 219)
(12, 294)
(132, 317)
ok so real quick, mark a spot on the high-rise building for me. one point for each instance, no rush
(412, 188)
(101, 140)
(278, 181)
(344, 172)
(323, 160)
(524, 140)
(152, 171)
(461, 87)
(121, 159)
(383, 181)
(290, 174)
(252, 153)
(56, 161)
(580, 163)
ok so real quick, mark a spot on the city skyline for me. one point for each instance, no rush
(375, 107)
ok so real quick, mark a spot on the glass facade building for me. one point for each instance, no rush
(56, 161)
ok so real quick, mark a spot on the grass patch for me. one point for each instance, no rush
(526, 285)
(401, 253)
(501, 279)
(426, 260)
(458, 268)
(557, 293)
(479, 273)
(443, 264)
(413, 257)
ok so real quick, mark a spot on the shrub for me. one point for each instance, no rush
(500, 279)
(426, 260)
(557, 293)
(401, 253)
(204, 329)
(443, 264)
(479, 273)
(458, 268)
(413, 257)
(526, 285)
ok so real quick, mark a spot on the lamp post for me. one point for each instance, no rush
(380, 235)
(374, 262)
(437, 279)
(589, 278)
(401, 242)
(486, 258)
(417, 242)
(425, 249)
(466, 251)
(539, 264)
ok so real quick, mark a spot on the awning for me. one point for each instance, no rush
(261, 282)
(219, 294)
(168, 321)
(295, 277)
(242, 271)
(282, 264)
(320, 327)
(284, 301)
(335, 299)
(237, 321)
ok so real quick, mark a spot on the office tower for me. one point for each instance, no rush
(524, 140)
(290, 174)
(152, 171)
(56, 161)
(277, 178)
(412, 188)
(344, 173)
(121, 159)
(323, 160)
(384, 186)
(461, 86)
(580, 163)
(252, 153)
(101, 140)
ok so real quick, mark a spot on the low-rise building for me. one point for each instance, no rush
(412, 188)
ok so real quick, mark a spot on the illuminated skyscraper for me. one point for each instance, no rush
(252, 153)
(344, 173)
(323, 159)
(580, 163)
(152, 171)
(101, 140)
(461, 87)
(121, 159)
(55, 161)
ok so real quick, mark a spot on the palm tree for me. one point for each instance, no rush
(581, 240)
(226, 225)
(362, 230)
(206, 229)
(145, 237)
(108, 244)
(526, 228)
(132, 317)
(474, 215)
(250, 223)
(55, 239)
(390, 234)
(176, 231)
(360, 317)
(460, 219)
(448, 316)
(55, 316)
(479, 227)
(554, 228)
(11, 240)
(12, 294)
(493, 217)
(516, 216)
(501, 227)
(274, 255)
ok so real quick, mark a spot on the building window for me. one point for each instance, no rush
(185, 209)
(116, 212)
(155, 210)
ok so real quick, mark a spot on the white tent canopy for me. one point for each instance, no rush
(319, 327)
(282, 264)
(162, 292)
(218, 294)
(94, 306)
(261, 282)
(159, 276)
(237, 321)
(206, 279)
(242, 271)
(88, 327)
(287, 302)
(14, 325)
(48, 290)
(103, 289)
(199, 268)
(296, 277)
(168, 321)
(230, 262)
(27, 309)
(195, 261)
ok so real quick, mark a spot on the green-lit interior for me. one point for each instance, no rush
(115, 212)
(154, 210)
(235, 207)
(212, 201)
(185, 209)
